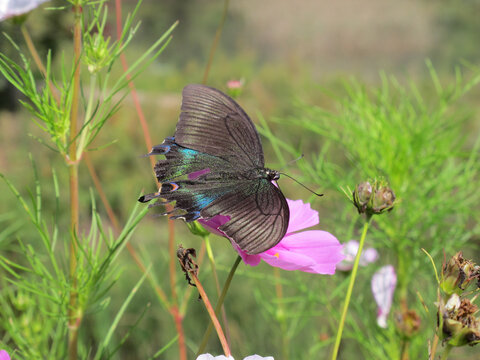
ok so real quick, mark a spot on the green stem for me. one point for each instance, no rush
(206, 336)
(350, 290)
(281, 312)
(74, 315)
(446, 352)
(88, 114)
(215, 42)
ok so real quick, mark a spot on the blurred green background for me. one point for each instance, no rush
(285, 52)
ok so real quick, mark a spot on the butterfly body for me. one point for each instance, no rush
(217, 146)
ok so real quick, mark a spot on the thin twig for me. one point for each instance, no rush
(215, 42)
(146, 134)
(211, 312)
(220, 302)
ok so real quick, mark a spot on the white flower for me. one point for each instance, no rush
(383, 287)
(9, 8)
(222, 357)
(211, 357)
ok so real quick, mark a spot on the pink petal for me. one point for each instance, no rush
(301, 216)
(252, 260)
(258, 357)
(4, 355)
(214, 223)
(313, 251)
(383, 287)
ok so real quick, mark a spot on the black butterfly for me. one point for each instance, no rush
(214, 134)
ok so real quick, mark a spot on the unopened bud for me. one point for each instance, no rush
(383, 200)
(373, 199)
(362, 195)
(197, 229)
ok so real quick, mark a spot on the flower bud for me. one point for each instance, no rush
(458, 274)
(383, 200)
(234, 88)
(197, 229)
(96, 52)
(373, 199)
(362, 195)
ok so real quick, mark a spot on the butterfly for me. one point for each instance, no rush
(217, 142)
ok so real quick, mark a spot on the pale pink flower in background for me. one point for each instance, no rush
(383, 287)
(211, 357)
(234, 88)
(313, 251)
(10, 8)
(222, 357)
(3, 354)
(350, 249)
(235, 84)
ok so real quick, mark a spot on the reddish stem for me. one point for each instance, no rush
(146, 134)
(211, 312)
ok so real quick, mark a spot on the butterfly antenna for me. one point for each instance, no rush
(299, 183)
(291, 162)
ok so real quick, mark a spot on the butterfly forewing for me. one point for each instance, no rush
(213, 123)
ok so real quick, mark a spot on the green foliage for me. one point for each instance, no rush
(418, 144)
(53, 280)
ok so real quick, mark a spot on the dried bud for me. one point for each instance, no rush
(189, 266)
(458, 274)
(373, 199)
(458, 323)
(407, 322)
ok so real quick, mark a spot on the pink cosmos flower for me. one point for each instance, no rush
(350, 249)
(9, 8)
(383, 287)
(4, 355)
(312, 251)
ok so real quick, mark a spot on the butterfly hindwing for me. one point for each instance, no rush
(258, 214)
